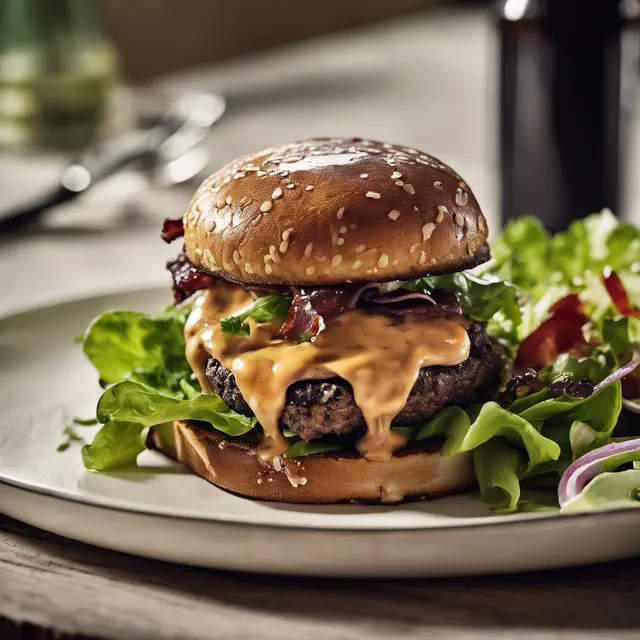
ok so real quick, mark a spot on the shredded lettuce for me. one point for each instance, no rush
(262, 310)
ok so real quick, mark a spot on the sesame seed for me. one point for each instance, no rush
(373, 194)
(248, 268)
(441, 210)
(461, 197)
(286, 233)
(459, 219)
(413, 247)
(229, 200)
(353, 226)
(311, 271)
(198, 251)
(336, 260)
(343, 229)
(427, 230)
(321, 258)
(266, 257)
(416, 209)
(277, 193)
(394, 214)
(290, 185)
(383, 261)
(360, 248)
(395, 175)
(256, 221)
(309, 187)
(209, 225)
(399, 183)
(408, 188)
(274, 254)
(469, 250)
(340, 241)
(423, 258)
(433, 261)
(438, 185)
(246, 201)
(357, 264)
(268, 268)
(340, 213)
(284, 174)
(364, 175)
(308, 249)
(236, 256)
(266, 206)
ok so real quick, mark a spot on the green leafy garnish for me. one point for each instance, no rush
(484, 299)
(70, 437)
(125, 345)
(309, 447)
(263, 309)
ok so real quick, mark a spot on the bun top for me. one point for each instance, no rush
(327, 211)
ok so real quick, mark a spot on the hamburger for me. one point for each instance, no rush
(315, 277)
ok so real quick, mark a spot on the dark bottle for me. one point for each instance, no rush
(561, 113)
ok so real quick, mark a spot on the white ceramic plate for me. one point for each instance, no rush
(162, 511)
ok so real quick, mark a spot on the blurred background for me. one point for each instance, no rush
(112, 112)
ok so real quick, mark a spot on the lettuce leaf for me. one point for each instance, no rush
(117, 444)
(467, 430)
(309, 447)
(262, 310)
(484, 299)
(497, 465)
(126, 345)
(129, 408)
(135, 402)
(609, 490)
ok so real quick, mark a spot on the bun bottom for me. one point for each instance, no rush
(327, 478)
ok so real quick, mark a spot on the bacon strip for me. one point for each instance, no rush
(559, 334)
(172, 229)
(618, 295)
(310, 310)
(187, 279)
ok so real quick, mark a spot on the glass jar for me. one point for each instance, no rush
(58, 75)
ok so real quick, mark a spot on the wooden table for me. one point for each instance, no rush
(426, 80)
(58, 587)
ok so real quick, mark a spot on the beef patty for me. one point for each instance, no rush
(316, 408)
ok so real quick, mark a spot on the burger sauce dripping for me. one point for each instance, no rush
(380, 356)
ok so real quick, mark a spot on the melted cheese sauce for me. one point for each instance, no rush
(378, 355)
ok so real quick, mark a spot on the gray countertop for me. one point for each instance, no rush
(427, 80)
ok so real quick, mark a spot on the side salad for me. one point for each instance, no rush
(565, 310)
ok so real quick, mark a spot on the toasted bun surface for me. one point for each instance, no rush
(328, 211)
(320, 478)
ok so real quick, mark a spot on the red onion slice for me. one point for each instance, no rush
(618, 374)
(588, 466)
(630, 405)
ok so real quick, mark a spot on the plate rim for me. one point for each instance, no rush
(481, 522)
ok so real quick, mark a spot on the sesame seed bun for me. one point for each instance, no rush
(328, 211)
(326, 478)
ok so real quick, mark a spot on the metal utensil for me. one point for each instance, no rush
(169, 150)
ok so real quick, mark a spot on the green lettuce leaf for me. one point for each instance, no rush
(262, 310)
(117, 444)
(465, 432)
(134, 402)
(622, 334)
(125, 345)
(484, 299)
(129, 408)
(497, 466)
(610, 490)
(309, 447)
